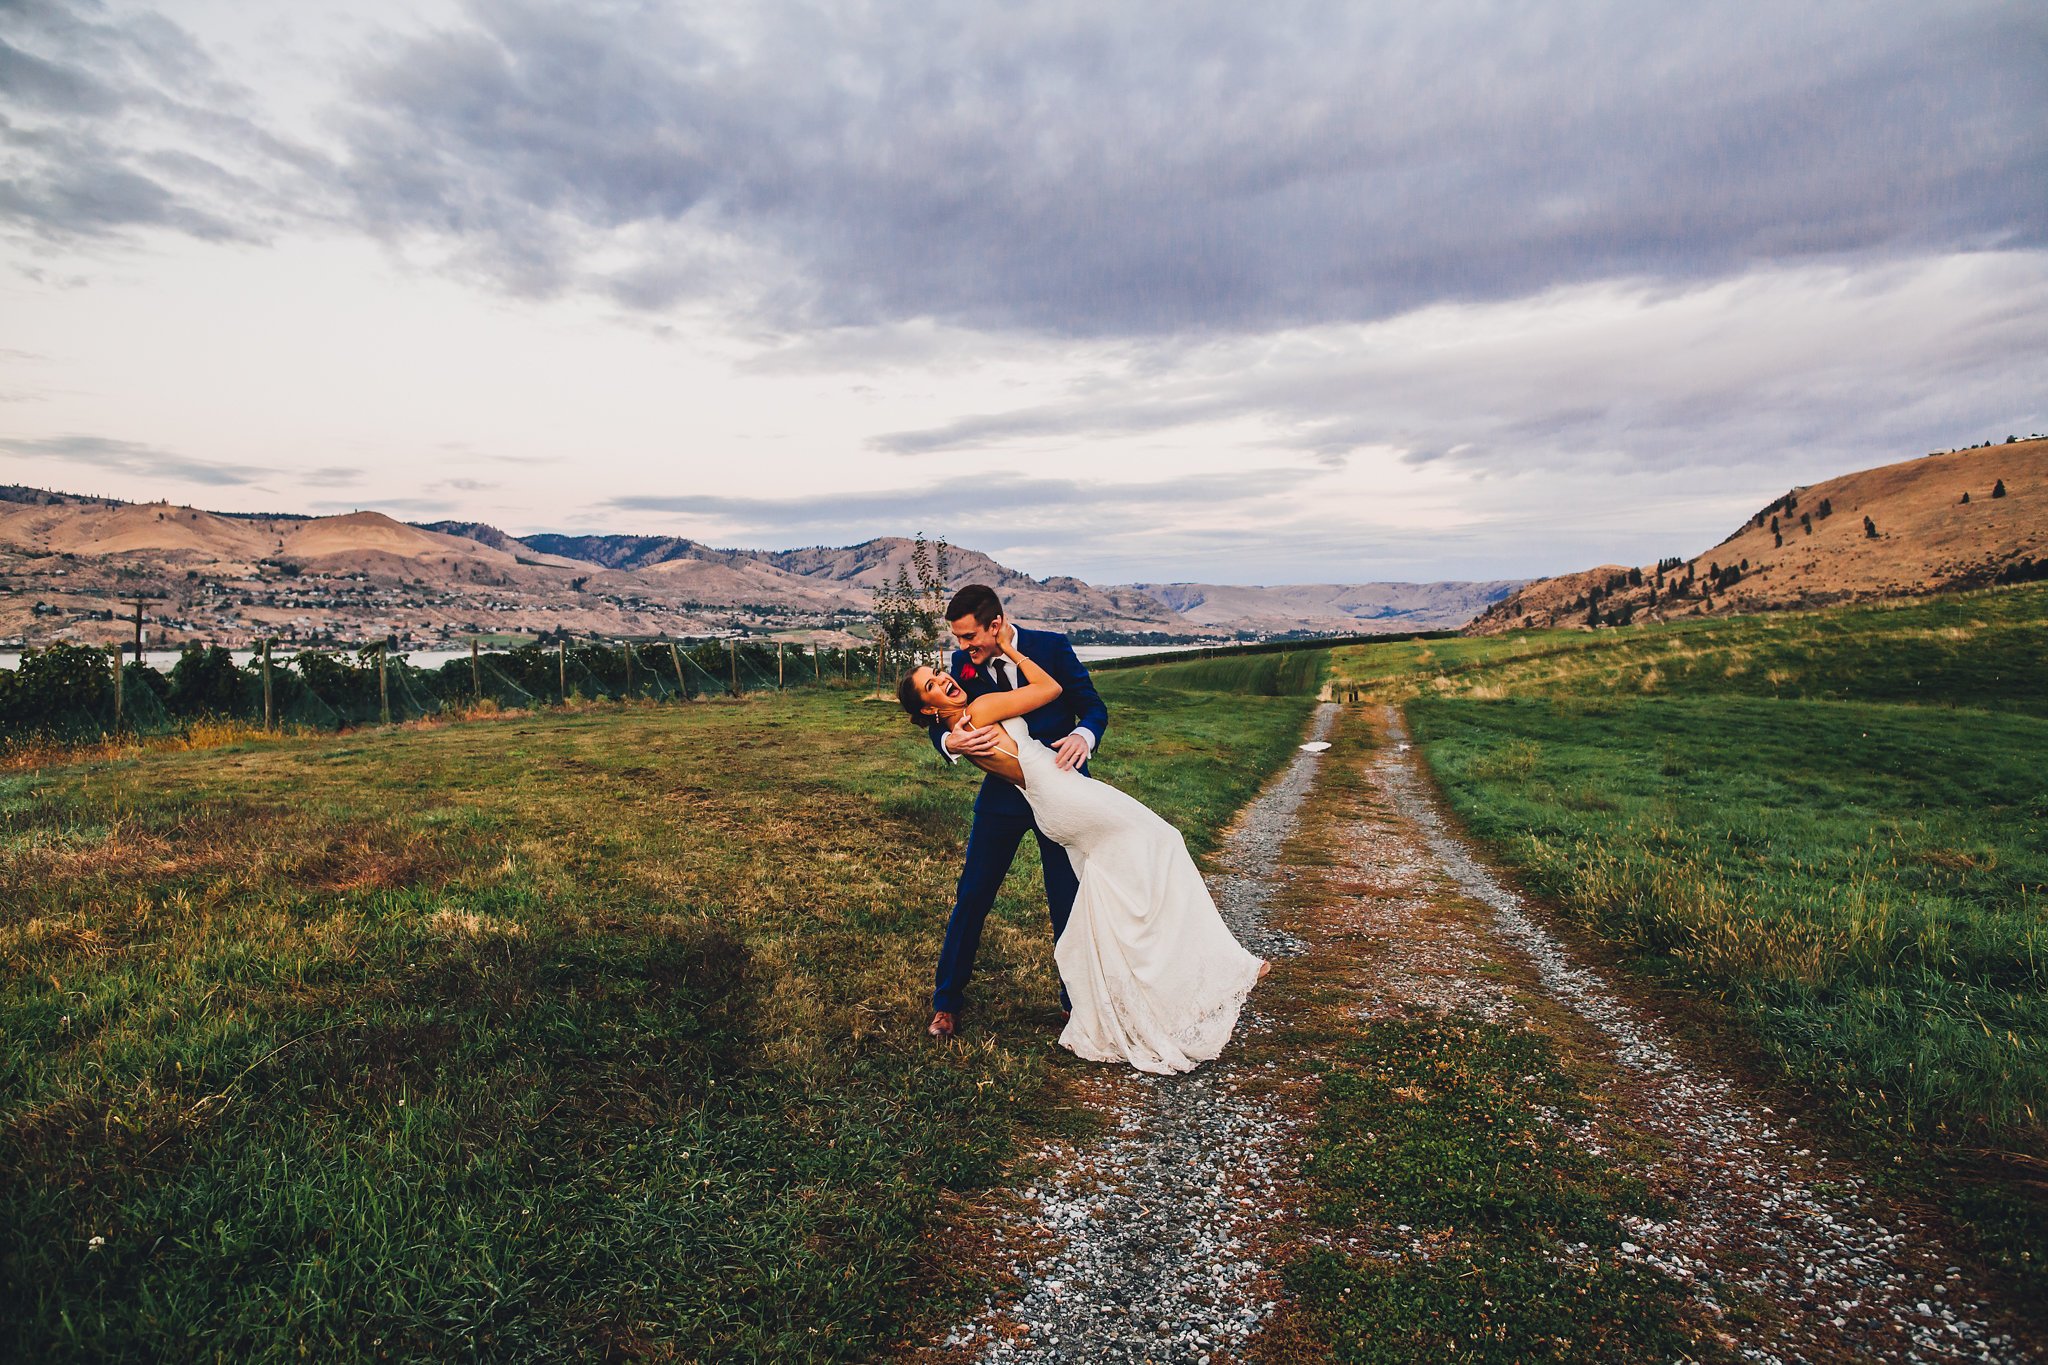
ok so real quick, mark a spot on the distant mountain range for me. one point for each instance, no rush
(67, 564)
(1955, 519)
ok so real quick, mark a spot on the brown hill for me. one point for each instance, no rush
(1330, 607)
(1057, 600)
(92, 527)
(1899, 530)
(68, 566)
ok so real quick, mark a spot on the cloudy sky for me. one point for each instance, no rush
(1251, 293)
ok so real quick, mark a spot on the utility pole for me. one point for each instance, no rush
(139, 600)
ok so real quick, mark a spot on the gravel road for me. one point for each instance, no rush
(1154, 1225)
(1150, 1244)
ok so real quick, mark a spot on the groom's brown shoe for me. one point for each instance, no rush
(943, 1024)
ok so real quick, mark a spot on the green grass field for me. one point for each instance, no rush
(1835, 825)
(556, 1036)
(1293, 673)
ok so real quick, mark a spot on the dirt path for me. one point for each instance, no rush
(1761, 1212)
(1160, 1241)
(1143, 1246)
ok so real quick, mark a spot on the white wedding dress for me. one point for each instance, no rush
(1154, 974)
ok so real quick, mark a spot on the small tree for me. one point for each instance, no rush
(1966, 497)
(1869, 529)
(1998, 489)
(910, 609)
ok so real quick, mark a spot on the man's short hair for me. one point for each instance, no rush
(977, 600)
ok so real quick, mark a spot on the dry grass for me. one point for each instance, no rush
(579, 1003)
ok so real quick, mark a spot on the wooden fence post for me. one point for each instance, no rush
(732, 651)
(476, 669)
(384, 687)
(629, 668)
(778, 665)
(562, 669)
(268, 712)
(675, 656)
(117, 691)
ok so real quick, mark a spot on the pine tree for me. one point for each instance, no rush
(1998, 489)
(1869, 529)
(1966, 497)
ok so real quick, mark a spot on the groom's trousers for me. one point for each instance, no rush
(991, 846)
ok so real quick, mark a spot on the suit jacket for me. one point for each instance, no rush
(1078, 704)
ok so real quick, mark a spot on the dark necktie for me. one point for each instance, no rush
(999, 671)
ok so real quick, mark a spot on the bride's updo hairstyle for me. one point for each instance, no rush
(913, 704)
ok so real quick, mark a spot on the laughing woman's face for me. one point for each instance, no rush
(939, 690)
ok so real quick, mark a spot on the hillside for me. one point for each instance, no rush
(69, 565)
(1900, 530)
(1331, 607)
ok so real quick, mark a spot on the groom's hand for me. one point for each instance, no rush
(972, 741)
(1071, 752)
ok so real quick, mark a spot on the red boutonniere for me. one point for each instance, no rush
(967, 671)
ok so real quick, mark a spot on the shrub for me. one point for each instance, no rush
(204, 682)
(62, 690)
(1998, 489)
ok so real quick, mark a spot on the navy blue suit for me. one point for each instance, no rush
(1002, 815)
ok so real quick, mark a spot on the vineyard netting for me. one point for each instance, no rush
(68, 692)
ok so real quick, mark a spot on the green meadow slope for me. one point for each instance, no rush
(564, 1035)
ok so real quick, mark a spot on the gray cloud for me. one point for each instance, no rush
(1251, 526)
(1153, 168)
(1839, 370)
(994, 498)
(397, 508)
(134, 459)
(113, 122)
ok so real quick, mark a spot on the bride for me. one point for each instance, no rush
(1155, 976)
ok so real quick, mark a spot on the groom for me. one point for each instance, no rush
(1070, 726)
